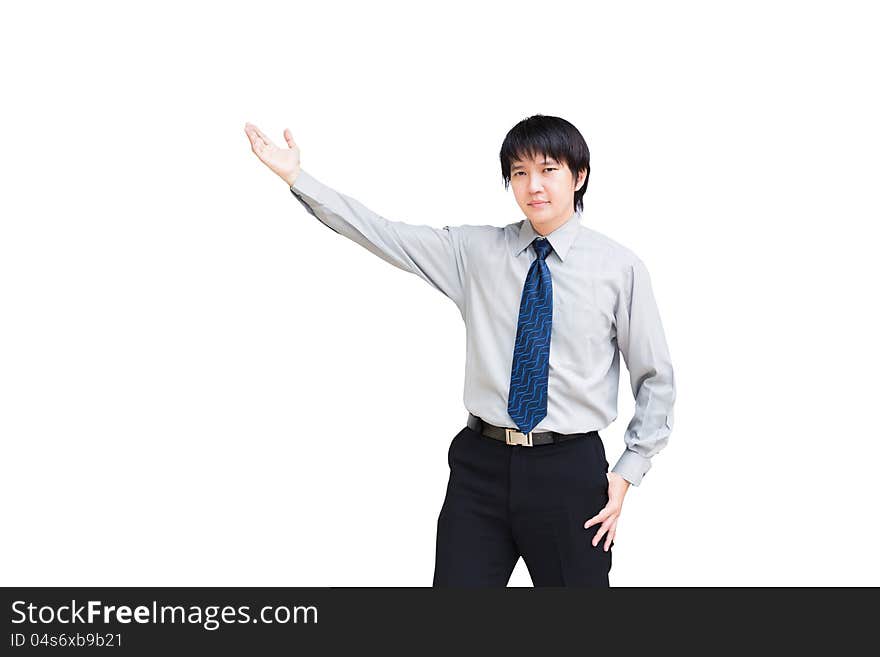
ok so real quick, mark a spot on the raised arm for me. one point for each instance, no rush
(433, 254)
(642, 343)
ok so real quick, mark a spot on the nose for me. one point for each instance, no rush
(535, 185)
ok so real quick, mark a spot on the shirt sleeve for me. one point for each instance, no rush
(642, 343)
(433, 254)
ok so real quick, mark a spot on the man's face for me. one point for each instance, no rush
(544, 189)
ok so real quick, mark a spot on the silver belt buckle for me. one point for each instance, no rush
(514, 437)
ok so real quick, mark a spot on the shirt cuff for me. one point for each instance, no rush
(305, 184)
(632, 466)
(308, 191)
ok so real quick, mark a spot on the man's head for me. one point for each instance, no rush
(545, 158)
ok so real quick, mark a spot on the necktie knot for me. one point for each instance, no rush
(542, 247)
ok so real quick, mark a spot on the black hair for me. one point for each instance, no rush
(547, 135)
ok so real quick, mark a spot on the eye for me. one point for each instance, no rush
(545, 169)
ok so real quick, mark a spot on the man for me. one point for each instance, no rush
(548, 305)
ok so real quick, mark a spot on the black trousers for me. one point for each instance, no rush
(506, 501)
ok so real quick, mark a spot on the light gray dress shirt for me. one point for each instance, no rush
(603, 306)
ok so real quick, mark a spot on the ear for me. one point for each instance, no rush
(582, 176)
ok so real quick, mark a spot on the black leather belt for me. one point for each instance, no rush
(516, 437)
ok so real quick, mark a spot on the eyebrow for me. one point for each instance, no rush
(520, 166)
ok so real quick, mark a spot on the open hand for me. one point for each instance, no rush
(283, 161)
(617, 487)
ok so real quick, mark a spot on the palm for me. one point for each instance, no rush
(283, 161)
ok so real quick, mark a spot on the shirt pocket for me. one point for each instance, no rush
(582, 338)
(577, 321)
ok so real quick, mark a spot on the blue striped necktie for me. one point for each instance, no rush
(527, 399)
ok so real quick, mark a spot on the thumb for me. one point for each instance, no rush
(288, 137)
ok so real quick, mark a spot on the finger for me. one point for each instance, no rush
(253, 135)
(288, 137)
(599, 517)
(265, 139)
(259, 146)
(599, 534)
(256, 135)
(612, 532)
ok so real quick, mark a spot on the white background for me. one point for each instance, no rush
(202, 385)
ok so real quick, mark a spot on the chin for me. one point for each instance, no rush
(537, 217)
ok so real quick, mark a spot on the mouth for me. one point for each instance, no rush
(539, 204)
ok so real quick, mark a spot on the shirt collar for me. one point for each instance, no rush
(561, 238)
